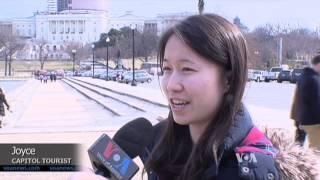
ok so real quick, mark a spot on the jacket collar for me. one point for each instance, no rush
(237, 133)
(239, 130)
(309, 71)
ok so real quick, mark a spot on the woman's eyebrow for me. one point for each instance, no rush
(181, 61)
(187, 61)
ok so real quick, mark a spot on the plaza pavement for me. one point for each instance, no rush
(53, 113)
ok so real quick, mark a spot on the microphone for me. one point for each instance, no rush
(113, 157)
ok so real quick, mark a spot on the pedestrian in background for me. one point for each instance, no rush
(300, 134)
(54, 77)
(308, 95)
(45, 79)
(3, 101)
(41, 78)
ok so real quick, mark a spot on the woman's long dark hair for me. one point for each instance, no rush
(218, 40)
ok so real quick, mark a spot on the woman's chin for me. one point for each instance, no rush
(181, 120)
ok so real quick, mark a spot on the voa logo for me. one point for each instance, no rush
(120, 161)
(249, 157)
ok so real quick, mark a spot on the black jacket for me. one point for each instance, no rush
(308, 93)
(243, 139)
(2, 102)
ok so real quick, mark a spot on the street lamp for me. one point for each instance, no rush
(92, 60)
(133, 83)
(107, 41)
(40, 57)
(74, 59)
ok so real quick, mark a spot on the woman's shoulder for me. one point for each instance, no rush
(158, 130)
(157, 133)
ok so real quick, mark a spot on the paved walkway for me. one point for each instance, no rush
(55, 113)
(52, 107)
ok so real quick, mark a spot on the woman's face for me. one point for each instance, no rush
(191, 83)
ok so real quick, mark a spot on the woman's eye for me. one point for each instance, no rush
(187, 69)
(166, 69)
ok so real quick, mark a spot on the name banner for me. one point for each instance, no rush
(39, 157)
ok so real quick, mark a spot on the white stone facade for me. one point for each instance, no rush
(127, 20)
(24, 27)
(71, 26)
(164, 21)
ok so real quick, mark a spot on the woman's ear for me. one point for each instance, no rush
(226, 80)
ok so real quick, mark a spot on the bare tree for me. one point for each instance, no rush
(10, 45)
(73, 46)
(263, 42)
(43, 52)
(147, 44)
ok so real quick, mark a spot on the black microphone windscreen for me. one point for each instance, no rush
(134, 136)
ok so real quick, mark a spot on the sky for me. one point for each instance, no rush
(253, 13)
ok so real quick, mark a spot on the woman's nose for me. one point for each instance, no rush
(174, 83)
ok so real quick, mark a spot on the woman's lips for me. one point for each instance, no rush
(178, 105)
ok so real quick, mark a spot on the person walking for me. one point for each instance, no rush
(3, 101)
(300, 134)
(308, 95)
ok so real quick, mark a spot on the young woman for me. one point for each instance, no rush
(209, 133)
(3, 102)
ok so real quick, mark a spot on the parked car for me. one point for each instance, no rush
(86, 74)
(115, 74)
(140, 76)
(273, 74)
(152, 68)
(285, 75)
(257, 76)
(99, 73)
(295, 75)
(68, 73)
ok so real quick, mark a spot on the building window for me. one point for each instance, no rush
(80, 26)
(54, 48)
(61, 27)
(67, 27)
(73, 27)
(53, 27)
